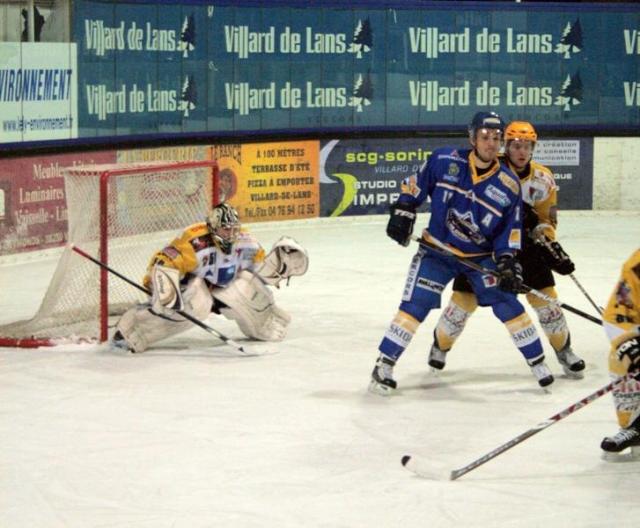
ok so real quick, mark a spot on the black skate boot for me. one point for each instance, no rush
(437, 356)
(624, 438)
(541, 372)
(382, 381)
(571, 364)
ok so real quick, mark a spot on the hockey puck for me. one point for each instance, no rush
(405, 460)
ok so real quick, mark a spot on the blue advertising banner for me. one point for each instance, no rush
(359, 177)
(225, 69)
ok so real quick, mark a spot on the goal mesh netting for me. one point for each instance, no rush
(121, 214)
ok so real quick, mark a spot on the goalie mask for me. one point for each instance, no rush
(224, 225)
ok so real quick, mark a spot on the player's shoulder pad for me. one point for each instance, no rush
(451, 154)
(508, 179)
(196, 236)
(540, 167)
(633, 264)
(196, 230)
(542, 171)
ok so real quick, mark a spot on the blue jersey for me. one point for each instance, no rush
(473, 214)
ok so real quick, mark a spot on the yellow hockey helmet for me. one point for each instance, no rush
(522, 130)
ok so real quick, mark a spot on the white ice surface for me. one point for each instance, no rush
(189, 435)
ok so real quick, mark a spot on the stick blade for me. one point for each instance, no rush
(429, 471)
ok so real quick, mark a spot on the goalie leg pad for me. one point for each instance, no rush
(141, 326)
(250, 303)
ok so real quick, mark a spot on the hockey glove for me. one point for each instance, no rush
(401, 222)
(510, 274)
(631, 349)
(555, 257)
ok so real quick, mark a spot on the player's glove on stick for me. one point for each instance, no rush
(631, 349)
(556, 257)
(401, 222)
(510, 274)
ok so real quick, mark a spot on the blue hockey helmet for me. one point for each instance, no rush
(486, 120)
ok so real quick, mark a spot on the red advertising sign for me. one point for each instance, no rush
(33, 209)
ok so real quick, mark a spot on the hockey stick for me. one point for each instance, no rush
(184, 314)
(440, 248)
(598, 309)
(457, 473)
(543, 242)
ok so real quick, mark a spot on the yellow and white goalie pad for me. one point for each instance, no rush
(250, 303)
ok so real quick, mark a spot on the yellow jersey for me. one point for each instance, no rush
(194, 253)
(621, 317)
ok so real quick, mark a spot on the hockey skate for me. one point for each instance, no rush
(627, 438)
(437, 356)
(382, 381)
(570, 363)
(541, 372)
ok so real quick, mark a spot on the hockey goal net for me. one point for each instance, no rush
(120, 214)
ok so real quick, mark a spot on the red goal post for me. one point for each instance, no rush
(120, 213)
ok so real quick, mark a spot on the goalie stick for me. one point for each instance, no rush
(409, 462)
(184, 314)
(443, 250)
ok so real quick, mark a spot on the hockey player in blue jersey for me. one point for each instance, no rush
(476, 208)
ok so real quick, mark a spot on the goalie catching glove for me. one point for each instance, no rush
(286, 259)
(165, 295)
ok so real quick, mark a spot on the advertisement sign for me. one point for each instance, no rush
(571, 161)
(235, 68)
(38, 91)
(363, 176)
(270, 181)
(174, 153)
(32, 198)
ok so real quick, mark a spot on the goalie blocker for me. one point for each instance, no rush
(247, 299)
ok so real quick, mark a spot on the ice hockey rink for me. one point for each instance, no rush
(190, 435)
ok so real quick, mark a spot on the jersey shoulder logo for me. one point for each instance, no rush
(170, 252)
(509, 183)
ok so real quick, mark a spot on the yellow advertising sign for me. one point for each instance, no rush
(270, 181)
